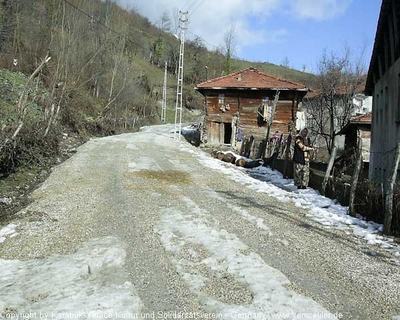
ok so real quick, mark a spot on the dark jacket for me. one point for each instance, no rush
(301, 154)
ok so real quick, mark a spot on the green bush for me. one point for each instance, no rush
(29, 148)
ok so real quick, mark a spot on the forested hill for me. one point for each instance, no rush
(104, 68)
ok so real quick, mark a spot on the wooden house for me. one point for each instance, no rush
(248, 103)
(383, 83)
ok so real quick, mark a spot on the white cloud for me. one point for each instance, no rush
(211, 19)
(319, 9)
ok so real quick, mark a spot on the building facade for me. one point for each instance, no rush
(383, 83)
(241, 104)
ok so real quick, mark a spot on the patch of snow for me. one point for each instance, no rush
(143, 163)
(91, 283)
(226, 254)
(8, 231)
(321, 209)
(165, 129)
(132, 146)
(7, 201)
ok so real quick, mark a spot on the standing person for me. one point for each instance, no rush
(276, 137)
(301, 159)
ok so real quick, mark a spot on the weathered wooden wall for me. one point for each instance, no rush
(366, 144)
(248, 117)
(246, 105)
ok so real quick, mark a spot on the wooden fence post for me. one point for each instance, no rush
(287, 155)
(356, 174)
(329, 169)
(389, 194)
(269, 124)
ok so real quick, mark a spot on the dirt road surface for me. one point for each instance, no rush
(136, 225)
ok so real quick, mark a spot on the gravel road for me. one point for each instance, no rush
(186, 239)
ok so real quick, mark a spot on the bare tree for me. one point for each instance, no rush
(331, 106)
(285, 62)
(165, 22)
(230, 40)
(175, 20)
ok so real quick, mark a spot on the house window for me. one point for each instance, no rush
(221, 98)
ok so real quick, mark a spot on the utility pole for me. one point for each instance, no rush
(164, 96)
(179, 88)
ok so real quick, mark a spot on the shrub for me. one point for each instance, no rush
(29, 148)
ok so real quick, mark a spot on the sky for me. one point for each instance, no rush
(295, 31)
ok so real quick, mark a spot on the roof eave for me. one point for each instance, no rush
(369, 86)
(252, 89)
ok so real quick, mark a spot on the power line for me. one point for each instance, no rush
(91, 17)
(212, 45)
(196, 8)
(202, 39)
(190, 6)
(141, 31)
(107, 27)
(187, 1)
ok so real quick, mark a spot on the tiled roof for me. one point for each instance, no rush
(340, 90)
(363, 118)
(251, 78)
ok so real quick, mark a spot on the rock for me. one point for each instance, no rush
(43, 174)
(371, 253)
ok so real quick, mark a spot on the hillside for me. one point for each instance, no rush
(103, 74)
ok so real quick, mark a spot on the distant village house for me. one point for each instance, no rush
(249, 103)
(359, 127)
(361, 104)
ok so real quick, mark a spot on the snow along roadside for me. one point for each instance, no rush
(320, 209)
(203, 255)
